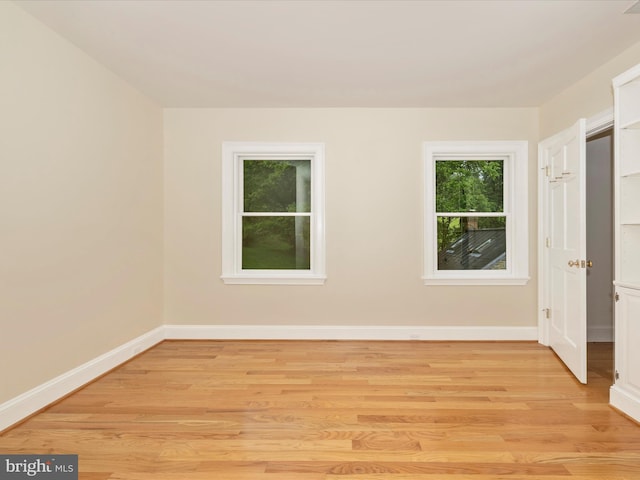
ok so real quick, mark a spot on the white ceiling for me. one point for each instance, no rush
(323, 53)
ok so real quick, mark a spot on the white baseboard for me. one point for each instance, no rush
(599, 334)
(339, 332)
(625, 401)
(20, 407)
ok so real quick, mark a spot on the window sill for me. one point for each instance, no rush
(475, 281)
(274, 279)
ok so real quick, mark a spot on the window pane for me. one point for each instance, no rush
(277, 185)
(469, 185)
(276, 243)
(472, 243)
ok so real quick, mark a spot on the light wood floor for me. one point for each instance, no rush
(296, 410)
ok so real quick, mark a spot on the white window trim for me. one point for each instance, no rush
(232, 272)
(516, 155)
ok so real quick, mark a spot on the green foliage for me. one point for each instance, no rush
(270, 185)
(469, 186)
(272, 254)
(287, 248)
(464, 186)
(274, 241)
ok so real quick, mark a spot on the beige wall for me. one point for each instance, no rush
(590, 96)
(80, 207)
(373, 213)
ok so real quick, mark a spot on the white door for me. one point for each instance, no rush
(564, 279)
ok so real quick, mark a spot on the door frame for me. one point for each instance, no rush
(595, 124)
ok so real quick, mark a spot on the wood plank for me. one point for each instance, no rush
(316, 410)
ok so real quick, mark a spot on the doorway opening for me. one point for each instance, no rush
(600, 248)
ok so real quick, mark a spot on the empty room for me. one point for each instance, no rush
(320, 240)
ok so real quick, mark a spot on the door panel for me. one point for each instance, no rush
(566, 280)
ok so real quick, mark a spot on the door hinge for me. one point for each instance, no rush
(617, 297)
(547, 171)
(617, 375)
(548, 242)
(547, 313)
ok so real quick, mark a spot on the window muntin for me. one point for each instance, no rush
(276, 227)
(464, 188)
(475, 226)
(273, 213)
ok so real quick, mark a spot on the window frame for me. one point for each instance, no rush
(515, 209)
(233, 154)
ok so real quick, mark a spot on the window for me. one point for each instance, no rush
(476, 222)
(273, 213)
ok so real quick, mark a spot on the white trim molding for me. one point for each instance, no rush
(514, 155)
(600, 122)
(30, 402)
(233, 156)
(597, 333)
(343, 332)
(625, 401)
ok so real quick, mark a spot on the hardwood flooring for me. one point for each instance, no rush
(326, 410)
